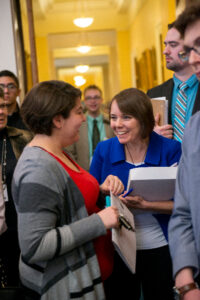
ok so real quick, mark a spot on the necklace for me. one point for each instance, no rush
(142, 160)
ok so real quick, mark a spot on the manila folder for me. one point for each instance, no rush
(124, 240)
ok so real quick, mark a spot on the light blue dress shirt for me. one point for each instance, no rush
(191, 92)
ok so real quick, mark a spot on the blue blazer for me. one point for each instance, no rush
(109, 158)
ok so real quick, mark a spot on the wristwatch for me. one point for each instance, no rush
(179, 292)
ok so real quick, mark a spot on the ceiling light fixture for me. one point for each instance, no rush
(83, 22)
(83, 49)
(79, 80)
(82, 68)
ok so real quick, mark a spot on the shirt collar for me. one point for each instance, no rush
(154, 150)
(117, 152)
(99, 118)
(190, 82)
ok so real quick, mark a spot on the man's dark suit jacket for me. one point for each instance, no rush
(165, 90)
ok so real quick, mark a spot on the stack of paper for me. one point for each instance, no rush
(153, 183)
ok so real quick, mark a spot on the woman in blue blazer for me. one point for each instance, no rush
(137, 145)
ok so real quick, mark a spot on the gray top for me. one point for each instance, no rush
(184, 226)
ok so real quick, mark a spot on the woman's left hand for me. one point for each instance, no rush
(134, 201)
(137, 202)
(112, 184)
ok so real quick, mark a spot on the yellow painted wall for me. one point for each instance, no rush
(123, 44)
(171, 18)
(150, 22)
(43, 59)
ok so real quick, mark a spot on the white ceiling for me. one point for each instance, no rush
(42, 7)
(109, 14)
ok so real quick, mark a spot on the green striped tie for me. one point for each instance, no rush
(95, 135)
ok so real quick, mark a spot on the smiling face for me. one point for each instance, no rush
(173, 45)
(3, 114)
(192, 39)
(126, 127)
(93, 100)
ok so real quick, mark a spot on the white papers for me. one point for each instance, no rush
(153, 183)
(124, 240)
(161, 98)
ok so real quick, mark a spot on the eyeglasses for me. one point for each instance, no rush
(9, 86)
(184, 55)
(3, 106)
(92, 98)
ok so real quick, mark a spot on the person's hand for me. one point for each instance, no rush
(192, 295)
(112, 184)
(110, 217)
(184, 277)
(136, 202)
(164, 130)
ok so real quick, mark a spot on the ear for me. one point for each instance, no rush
(58, 121)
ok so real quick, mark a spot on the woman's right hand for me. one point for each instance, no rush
(110, 217)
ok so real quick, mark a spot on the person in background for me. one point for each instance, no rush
(65, 243)
(171, 89)
(184, 226)
(10, 85)
(3, 226)
(137, 145)
(12, 142)
(95, 129)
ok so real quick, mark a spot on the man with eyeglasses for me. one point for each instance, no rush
(12, 143)
(10, 85)
(95, 129)
(184, 226)
(170, 89)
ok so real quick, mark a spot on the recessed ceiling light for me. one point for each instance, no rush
(83, 22)
(83, 49)
(82, 68)
(79, 80)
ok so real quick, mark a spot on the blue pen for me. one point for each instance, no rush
(127, 193)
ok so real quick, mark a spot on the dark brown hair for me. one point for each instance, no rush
(190, 15)
(171, 25)
(1, 93)
(46, 100)
(137, 104)
(92, 87)
(7, 73)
